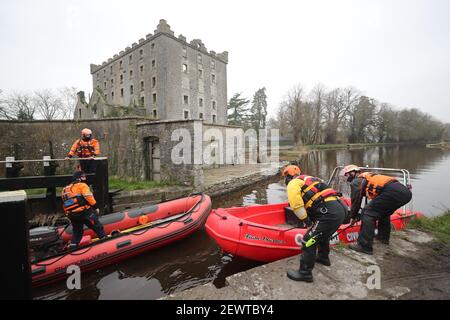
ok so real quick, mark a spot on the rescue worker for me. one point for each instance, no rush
(318, 206)
(85, 148)
(80, 206)
(386, 195)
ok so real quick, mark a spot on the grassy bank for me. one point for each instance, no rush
(114, 183)
(130, 184)
(439, 227)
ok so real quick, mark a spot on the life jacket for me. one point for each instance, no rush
(314, 191)
(73, 200)
(375, 183)
(85, 149)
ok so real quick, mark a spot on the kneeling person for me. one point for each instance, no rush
(313, 202)
(80, 206)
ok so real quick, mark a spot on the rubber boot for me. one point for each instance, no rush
(299, 275)
(359, 248)
(323, 251)
(304, 273)
(324, 260)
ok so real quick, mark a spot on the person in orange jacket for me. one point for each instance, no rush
(80, 207)
(385, 194)
(86, 150)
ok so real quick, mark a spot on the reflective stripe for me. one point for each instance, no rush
(313, 193)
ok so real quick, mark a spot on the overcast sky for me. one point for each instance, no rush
(394, 51)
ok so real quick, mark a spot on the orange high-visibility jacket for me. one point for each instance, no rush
(85, 149)
(375, 183)
(77, 197)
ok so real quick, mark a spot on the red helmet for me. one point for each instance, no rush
(291, 170)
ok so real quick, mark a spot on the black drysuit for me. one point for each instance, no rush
(393, 196)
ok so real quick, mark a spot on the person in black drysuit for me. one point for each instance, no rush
(392, 196)
(324, 215)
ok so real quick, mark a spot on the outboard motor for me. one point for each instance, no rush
(44, 241)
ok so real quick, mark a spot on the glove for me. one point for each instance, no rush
(307, 222)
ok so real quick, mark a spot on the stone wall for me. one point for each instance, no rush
(117, 142)
(122, 140)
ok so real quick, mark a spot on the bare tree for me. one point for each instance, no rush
(49, 106)
(17, 106)
(68, 96)
(292, 106)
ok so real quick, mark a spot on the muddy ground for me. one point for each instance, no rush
(425, 270)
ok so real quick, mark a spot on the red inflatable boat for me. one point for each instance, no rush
(130, 233)
(261, 233)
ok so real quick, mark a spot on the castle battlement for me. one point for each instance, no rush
(163, 28)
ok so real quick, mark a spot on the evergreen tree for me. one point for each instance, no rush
(258, 110)
(237, 110)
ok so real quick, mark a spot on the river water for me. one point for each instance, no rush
(197, 260)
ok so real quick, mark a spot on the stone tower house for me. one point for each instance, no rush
(162, 77)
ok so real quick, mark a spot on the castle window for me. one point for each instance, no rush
(141, 53)
(121, 78)
(186, 100)
(121, 92)
(141, 68)
(110, 70)
(142, 101)
(185, 68)
(131, 89)
(112, 95)
(153, 82)
(199, 58)
(155, 113)
(214, 105)
(104, 83)
(152, 46)
(184, 52)
(213, 64)
(200, 102)
(153, 63)
(131, 74)
(120, 64)
(142, 85)
(214, 118)
(154, 98)
(186, 114)
(200, 73)
(130, 59)
(112, 82)
(213, 78)
(200, 115)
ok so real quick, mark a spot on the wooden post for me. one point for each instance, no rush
(15, 269)
(101, 186)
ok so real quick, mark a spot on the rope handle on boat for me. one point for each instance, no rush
(241, 223)
(264, 227)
